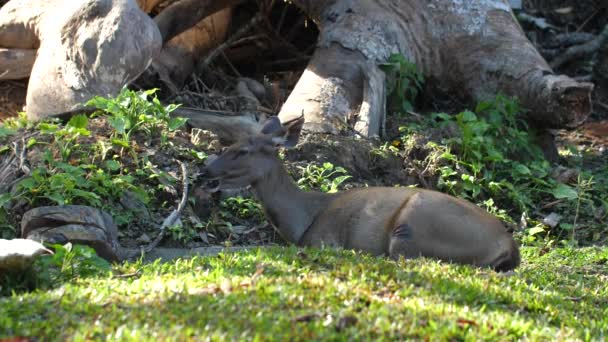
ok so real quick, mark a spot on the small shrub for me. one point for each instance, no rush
(403, 82)
(326, 178)
(495, 162)
(69, 262)
(243, 208)
(132, 111)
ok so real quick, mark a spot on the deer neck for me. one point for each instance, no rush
(291, 210)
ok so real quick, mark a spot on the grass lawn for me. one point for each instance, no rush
(298, 294)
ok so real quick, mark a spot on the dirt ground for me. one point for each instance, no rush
(12, 97)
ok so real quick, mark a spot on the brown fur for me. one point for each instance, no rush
(408, 222)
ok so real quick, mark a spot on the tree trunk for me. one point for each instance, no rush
(474, 49)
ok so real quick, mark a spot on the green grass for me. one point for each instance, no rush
(294, 294)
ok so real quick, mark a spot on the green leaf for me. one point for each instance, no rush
(119, 124)
(27, 183)
(175, 123)
(522, 169)
(563, 191)
(442, 116)
(4, 148)
(328, 166)
(5, 132)
(47, 127)
(120, 142)
(566, 226)
(483, 106)
(79, 121)
(198, 155)
(468, 116)
(536, 230)
(31, 142)
(113, 165)
(80, 131)
(57, 198)
(5, 198)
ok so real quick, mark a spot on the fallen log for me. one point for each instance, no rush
(230, 127)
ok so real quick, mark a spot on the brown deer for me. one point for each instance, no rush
(407, 222)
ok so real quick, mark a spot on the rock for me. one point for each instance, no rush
(85, 48)
(76, 224)
(552, 220)
(18, 254)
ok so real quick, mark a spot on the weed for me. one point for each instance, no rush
(404, 82)
(132, 111)
(68, 263)
(243, 208)
(495, 162)
(386, 149)
(183, 233)
(326, 178)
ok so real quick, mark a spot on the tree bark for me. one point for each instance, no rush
(181, 54)
(230, 127)
(474, 49)
(184, 14)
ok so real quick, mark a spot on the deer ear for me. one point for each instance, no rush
(290, 133)
(272, 125)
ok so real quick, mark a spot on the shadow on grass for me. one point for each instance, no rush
(289, 293)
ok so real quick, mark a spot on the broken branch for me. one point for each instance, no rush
(174, 216)
(578, 51)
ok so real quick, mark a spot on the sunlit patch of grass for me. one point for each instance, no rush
(298, 294)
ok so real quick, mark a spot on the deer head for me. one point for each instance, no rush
(245, 162)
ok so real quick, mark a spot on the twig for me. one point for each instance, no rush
(602, 104)
(237, 35)
(587, 20)
(540, 23)
(22, 159)
(172, 218)
(581, 50)
(234, 70)
(282, 19)
(569, 39)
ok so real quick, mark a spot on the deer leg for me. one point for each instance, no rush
(402, 245)
(458, 234)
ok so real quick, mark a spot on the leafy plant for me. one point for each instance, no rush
(68, 262)
(243, 208)
(66, 137)
(132, 111)
(404, 82)
(495, 162)
(10, 125)
(326, 178)
(72, 261)
(70, 180)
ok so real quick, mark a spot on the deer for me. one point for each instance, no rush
(397, 222)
